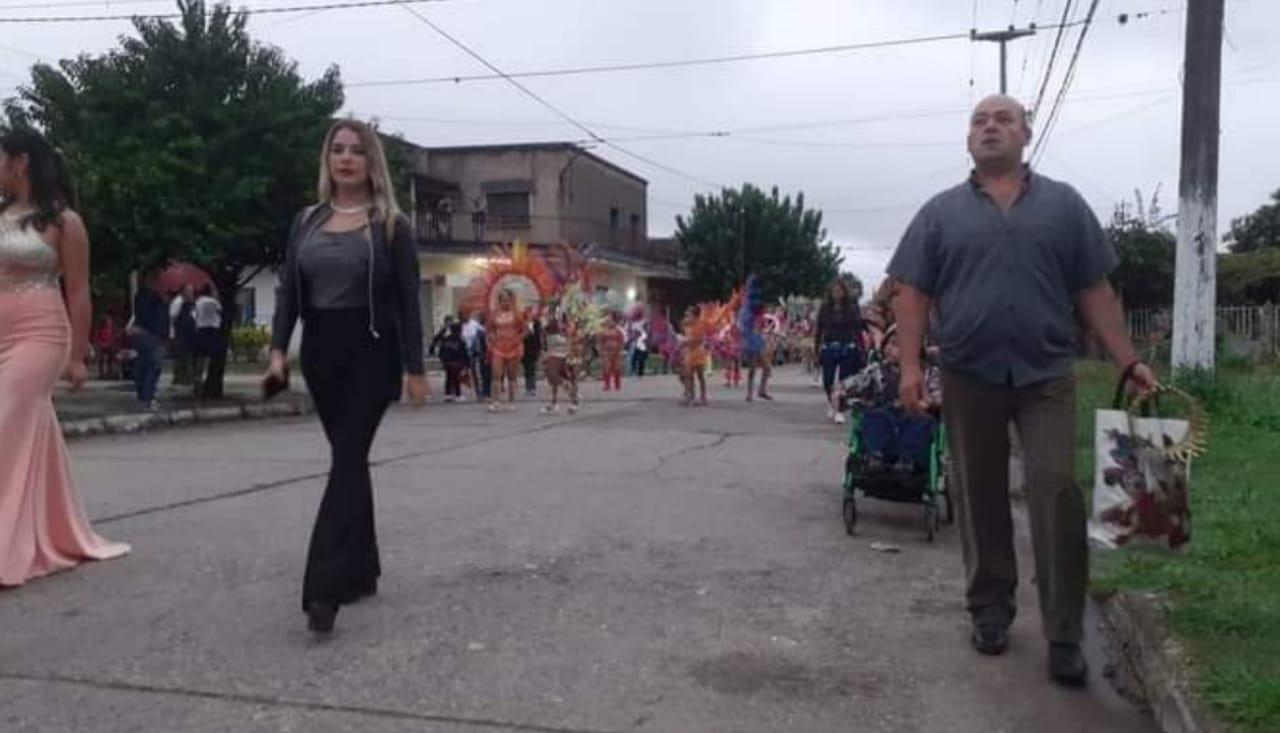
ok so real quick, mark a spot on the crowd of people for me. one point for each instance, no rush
(997, 268)
(187, 331)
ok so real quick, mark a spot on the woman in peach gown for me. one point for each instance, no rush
(43, 336)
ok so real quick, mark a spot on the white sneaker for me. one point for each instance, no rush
(831, 412)
(839, 418)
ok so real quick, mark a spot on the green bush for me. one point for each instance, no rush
(248, 342)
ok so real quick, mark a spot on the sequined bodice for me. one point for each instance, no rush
(26, 260)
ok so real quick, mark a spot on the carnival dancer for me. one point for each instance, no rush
(728, 347)
(557, 363)
(761, 355)
(610, 343)
(696, 357)
(506, 346)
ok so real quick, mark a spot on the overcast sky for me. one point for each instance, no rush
(1118, 130)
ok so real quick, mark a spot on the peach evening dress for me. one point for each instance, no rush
(43, 528)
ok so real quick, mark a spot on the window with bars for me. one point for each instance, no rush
(508, 210)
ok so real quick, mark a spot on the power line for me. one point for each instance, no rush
(1054, 113)
(708, 61)
(80, 4)
(748, 134)
(1053, 58)
(1026, 57)
(681, 63)
(247, 11)
(551, 107)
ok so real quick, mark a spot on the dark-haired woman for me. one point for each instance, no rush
(44, 336)
(836, 342)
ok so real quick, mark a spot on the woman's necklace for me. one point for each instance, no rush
(357, 209)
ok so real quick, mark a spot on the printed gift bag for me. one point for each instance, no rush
(1142, 472)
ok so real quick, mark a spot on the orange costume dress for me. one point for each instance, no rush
(506, 336)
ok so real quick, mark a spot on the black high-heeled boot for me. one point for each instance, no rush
(320, 616)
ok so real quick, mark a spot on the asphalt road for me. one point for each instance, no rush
(639, 566)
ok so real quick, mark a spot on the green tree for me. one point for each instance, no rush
(745, 231)
(1259, 230)
(1249, 278)
(1146, 250)
(189, 142)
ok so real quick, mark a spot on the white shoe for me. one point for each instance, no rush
(573, 409)
(839, 418)
(831, 412)
(493, 407)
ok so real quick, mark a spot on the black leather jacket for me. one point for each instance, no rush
(393, 301)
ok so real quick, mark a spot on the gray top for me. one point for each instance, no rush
(1005, 285)
(335, 269)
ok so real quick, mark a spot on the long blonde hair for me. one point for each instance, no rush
(381, 188)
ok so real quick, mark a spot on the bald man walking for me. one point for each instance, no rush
(1007, 259)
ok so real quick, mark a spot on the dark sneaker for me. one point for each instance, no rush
(1066, 664)
(991, 630)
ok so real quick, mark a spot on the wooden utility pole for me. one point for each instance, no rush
(1195, 281)
(1003, 37)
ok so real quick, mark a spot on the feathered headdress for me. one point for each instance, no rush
(587, 316)
(514, 261)
(751, 338)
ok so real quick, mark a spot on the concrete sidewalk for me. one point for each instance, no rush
(639, 566)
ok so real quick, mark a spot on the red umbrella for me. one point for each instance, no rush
(180, 274)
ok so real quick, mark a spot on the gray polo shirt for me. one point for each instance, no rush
(1005, 285)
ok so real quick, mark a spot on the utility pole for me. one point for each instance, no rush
(1003, 37)
(1195, 280)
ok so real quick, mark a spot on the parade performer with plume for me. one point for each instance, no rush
(493, 293)
(755, 341)
(575, 320)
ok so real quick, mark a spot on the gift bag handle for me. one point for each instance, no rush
(1126, 376)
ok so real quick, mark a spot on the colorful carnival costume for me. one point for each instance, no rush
(610, 342)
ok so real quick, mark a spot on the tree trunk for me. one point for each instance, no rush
(213, 387)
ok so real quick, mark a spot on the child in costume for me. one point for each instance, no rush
(728, 348)
(610, 343)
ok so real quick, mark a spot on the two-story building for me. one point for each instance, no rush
(465, 199)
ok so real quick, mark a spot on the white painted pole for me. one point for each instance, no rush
(1195, 281)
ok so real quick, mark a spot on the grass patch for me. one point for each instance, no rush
(1226, 589)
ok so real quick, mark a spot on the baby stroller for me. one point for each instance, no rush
(917, 478)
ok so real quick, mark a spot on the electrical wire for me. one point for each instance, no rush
(1026, 56)
(551, 107)
(708, 61)
(1056, 111)
(247, 11)
(1053, 57)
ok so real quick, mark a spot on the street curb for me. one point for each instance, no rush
(1154, 662)
(139, 422)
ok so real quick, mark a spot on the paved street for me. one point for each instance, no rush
(639, 566)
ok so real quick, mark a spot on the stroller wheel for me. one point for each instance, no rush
(944, 494)
(850, 512)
